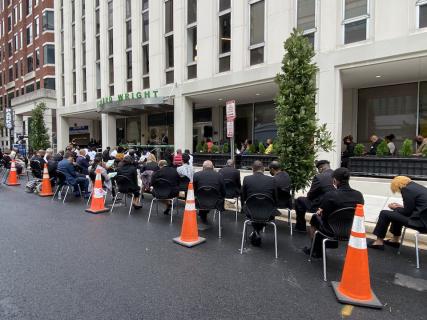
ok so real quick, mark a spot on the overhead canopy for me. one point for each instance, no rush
(133, 107)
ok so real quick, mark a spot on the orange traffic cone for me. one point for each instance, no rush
(97, 203)
(189, 232)
(355, 285)
(12, 179)
(46, 185)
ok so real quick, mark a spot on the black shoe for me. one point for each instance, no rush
(316, 255)
(255, 239)
(167, 211)
(392, 244)
(376, 246)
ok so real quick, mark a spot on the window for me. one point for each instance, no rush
(15, 15)
(30, 66)
(16, 70)
(49, 83)
(10, 74)
(97, 52)
(84, 85)
(355, 20)
(422, 13)
(110, 47)
(169, 43)
(256, 45)
(49, 54)
(29, 88)
(37, 52)
(128, 34)
(306, 18)
(129, 65)
(191, 11)
(129, 45)
(191, 39)
(36, 27)
(29, 35)
(224, 5)
(9, 49)
(423, 109)
(9, 23)
(48, 20)
(29, 6)
(16, 41)
(224, 38)
(145, 46)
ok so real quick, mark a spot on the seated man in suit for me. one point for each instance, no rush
(208, 177)
(73, 178)
(321, 184)
(343, 197)
(229, 172)
(171, 175)
(283, 184)
(83, 162)
(258, 183)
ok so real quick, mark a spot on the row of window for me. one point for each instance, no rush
(6, 100)
(32, 62)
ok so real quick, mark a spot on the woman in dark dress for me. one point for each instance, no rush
(128, 169)
(413, 213)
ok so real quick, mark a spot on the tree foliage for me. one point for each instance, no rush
(299, 136)
(406, 149)
(38, 137)
(359, 149)
(382, 149)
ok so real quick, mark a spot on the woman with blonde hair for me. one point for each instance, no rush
(412, 214)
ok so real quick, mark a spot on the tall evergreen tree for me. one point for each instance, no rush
(38, 137)
(299, 136)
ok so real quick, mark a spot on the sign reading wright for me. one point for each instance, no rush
(128, 96)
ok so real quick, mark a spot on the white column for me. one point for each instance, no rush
(62, 132)
(103, 16)
(119, 50)
(183, 123)
(90, 51)
(156, 44)
(79, 53)
(47, 117)
(18, 126)
(108, 131)
(68, 55)
(136, 45)
(207, 39)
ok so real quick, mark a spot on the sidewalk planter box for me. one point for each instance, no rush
(242, 161)
(389, 167)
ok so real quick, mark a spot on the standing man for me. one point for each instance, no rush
(375, 142)
(321, 184)
(258, 183)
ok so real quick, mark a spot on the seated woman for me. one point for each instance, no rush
(147, 170)
(99, 165)
(128, 169)
(410, 214)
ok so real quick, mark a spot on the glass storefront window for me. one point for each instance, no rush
(264, 121)
(133, 129)
(423, 109)
(388, 109)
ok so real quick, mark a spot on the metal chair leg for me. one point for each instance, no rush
(290, 219)
(275, 238)
(90, 196)
(237, 206)
(131, 203)
(172, 212)
(243, 235)
(114, 201)
(219, 224)
(324, 258)
(401, 239)
(151, 207)
(66, 192)
(312, 246)
(416, 249)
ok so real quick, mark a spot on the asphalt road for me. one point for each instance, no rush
(59, 262)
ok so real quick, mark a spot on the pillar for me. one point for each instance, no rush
(108, 131)
(18, 126)
(183, 123)
(63, 132)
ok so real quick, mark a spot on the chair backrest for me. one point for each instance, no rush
(340, 222)
(162, 188)
(122, 183)
(61, 178)
(260, 207)
(36, 168)
(284, 199)
(183, 183)
(231, 190)
(207, 197)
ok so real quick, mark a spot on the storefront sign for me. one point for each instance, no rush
(230, 107)
(230, 129)
(79, 130)
(128, 96)
(8, 118)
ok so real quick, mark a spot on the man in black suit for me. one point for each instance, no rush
(229, 172)
(208, 177)
(283, 185)
(258, 183)
(343, 197)
(321, 184)
(168, 173)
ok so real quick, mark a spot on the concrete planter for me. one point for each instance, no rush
(242, 161)
(389, 167)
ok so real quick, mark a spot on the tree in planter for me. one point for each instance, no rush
(299, 136)
(225, 148)
(406, 149)
(261, 148)
(359, 149)
(38, 137)
(382, 149)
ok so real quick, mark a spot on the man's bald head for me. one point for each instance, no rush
(208, 165)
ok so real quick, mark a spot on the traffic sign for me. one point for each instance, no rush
(8, 119)
(230, 107)
(230, 129)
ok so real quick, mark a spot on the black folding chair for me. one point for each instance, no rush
(232, 192)
(284, 201)
(209, 198)
(260, 209)
(162, 190)
(61, 184)
(122, 184)
(183, 184)
(340, 223)
(36, 169)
